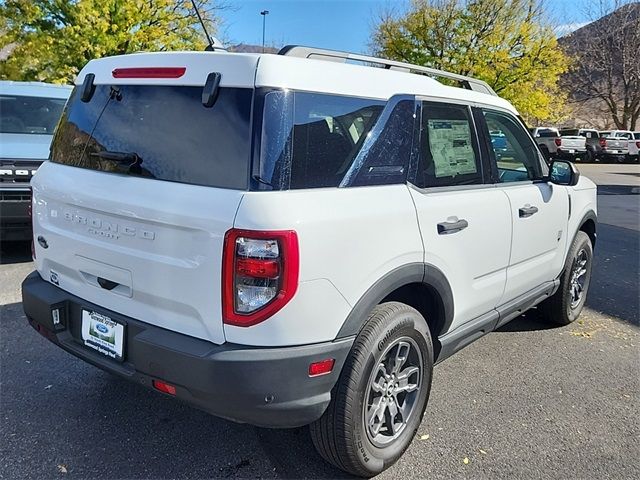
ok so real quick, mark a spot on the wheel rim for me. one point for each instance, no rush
(393, 391)
(578, 277)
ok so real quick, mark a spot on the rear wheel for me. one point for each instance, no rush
(566, 304)
(379, 400)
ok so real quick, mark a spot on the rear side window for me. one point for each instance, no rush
(448, 147)
(309, 140)
(161, 132)
(29, 115)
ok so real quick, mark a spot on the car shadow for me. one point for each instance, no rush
(15, 252)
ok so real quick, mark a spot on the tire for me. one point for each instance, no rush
(545, 153)
(562, 307)
(590, 156)
(340, 436)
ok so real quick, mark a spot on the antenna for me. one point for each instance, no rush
(210, 47)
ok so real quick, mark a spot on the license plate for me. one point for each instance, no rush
(572, 151)
(103, 334)
(615, 151)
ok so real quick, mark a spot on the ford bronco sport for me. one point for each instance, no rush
(284, 240)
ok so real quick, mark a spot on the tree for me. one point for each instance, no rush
(53, 39)
(503, 42)
(605, 78)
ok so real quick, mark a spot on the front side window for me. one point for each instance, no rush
(448, 148)
(309, 140)
(29, 115)
(517, 158)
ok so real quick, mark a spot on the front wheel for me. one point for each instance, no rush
(379, 400)
(564, 306)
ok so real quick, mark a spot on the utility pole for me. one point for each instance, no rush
(264, 14)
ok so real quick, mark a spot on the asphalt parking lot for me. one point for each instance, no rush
(528, 401)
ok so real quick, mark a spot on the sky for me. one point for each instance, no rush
(342, 24)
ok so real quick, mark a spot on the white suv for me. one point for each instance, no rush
(282, 240)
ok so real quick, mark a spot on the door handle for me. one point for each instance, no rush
(527, 211)
(447, 228)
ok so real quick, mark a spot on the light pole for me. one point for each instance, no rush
(264, 14)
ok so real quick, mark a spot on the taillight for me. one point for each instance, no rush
(558, 141)
(638, 144)
(603, 142)
(259, 274)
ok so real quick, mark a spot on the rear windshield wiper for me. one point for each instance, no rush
(119, 157)
(129, 163)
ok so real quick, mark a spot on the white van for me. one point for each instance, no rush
(29, 113)
(294, 239)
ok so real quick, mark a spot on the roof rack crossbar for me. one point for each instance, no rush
(336, 56)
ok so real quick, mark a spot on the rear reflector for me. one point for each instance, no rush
(164, 387)
(149, 72)
(321, 368)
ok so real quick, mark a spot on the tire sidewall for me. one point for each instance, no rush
(407, 323)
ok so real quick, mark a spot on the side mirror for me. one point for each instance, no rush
(563, 172)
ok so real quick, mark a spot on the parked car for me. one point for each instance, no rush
(592, 140)
(553, 145)
(634, 147)
(614, 146)
(29, 114)
(283, 241)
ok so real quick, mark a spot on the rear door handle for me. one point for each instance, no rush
(527, 211)
(447, 228)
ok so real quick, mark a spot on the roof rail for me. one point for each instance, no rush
(343, 57)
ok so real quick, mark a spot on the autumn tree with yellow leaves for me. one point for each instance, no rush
(51, 40)
(506, 43)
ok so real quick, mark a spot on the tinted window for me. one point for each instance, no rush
(571, 133)
(29, 115)
(519, 159)
(384, 158)
(448, 147)
(310, 140)
(546, 132)
(636, 135)
(161, 132)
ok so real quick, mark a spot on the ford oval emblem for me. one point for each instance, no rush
(102, 328)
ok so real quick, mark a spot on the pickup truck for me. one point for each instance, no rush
(592, 139)
(614, 145)
(634, 147)
(553, 145)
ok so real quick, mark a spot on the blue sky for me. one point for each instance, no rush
(339, 24)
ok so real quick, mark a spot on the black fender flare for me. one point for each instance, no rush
(426, 274)
(590, 215)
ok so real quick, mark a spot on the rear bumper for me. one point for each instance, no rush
(267, 387)
(14, 214)
(568, 155)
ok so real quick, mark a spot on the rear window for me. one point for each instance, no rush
(570, 133)
(29, 115)
(310, 140)
(547, 132)
(161, 132)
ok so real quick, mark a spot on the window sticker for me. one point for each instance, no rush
(450, 143)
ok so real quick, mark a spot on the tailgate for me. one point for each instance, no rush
(574, 142)
(616, 143)
(163, 252)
